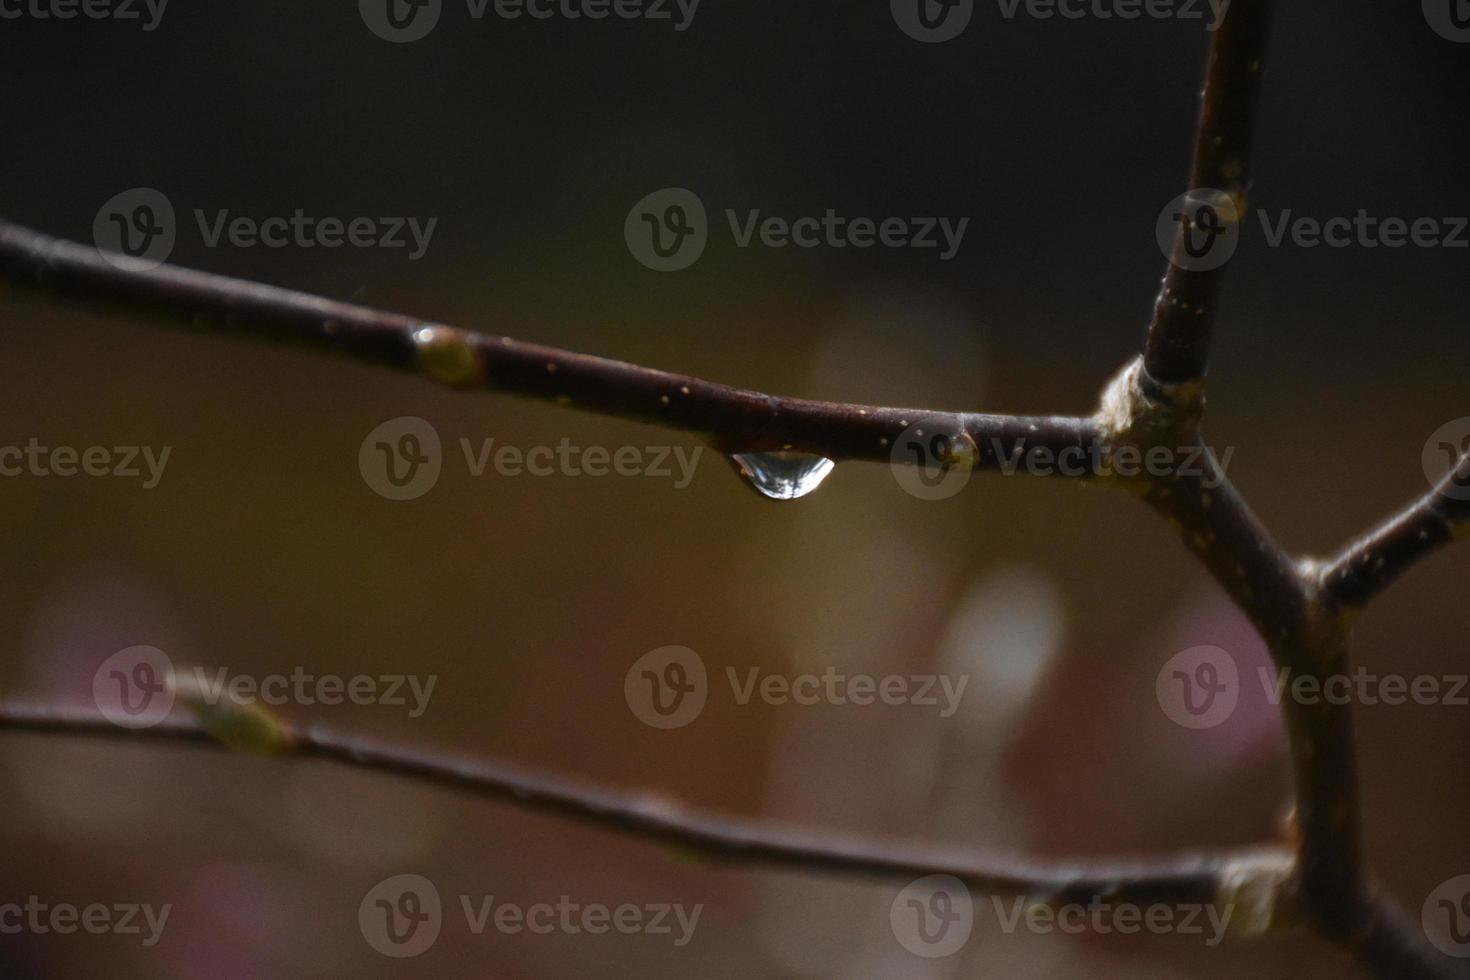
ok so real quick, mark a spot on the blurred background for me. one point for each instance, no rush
(262, 549)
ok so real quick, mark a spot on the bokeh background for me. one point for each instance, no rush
(263, 548)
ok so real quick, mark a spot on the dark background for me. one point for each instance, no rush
(263, 549)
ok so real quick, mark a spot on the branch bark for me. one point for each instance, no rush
(734, 419)
(1371, 564)
(1248, 877)
(1303, 609)
(1184, 312)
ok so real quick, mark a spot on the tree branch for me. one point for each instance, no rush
(733, 418)
(1184, 313)
(1303, 609)
(1251, 878)
(1369, 565)
(1391, 944)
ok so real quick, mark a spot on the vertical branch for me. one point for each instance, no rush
(1184, 313)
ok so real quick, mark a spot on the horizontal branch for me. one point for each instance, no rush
(735, 419)
(1251, 879)
(1368, 566)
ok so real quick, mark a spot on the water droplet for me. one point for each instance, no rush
(448, 355)
(783, 475)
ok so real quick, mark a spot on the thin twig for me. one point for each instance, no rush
(1369, 565)
(1244, 876)
(1303, 609)
(733, 418)
(1184, 313)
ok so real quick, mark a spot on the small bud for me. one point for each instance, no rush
(244, 727)
(448, 355)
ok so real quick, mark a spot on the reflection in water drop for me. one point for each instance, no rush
(783, 475)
